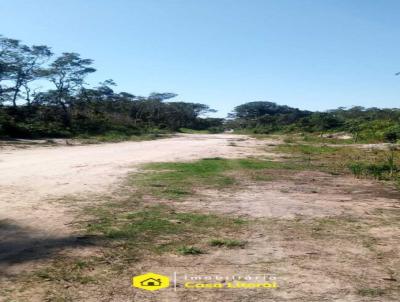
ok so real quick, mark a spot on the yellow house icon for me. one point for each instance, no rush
(150, 281)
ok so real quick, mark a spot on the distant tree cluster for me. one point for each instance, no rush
(43, 95)
(68, 106)
(363, 123)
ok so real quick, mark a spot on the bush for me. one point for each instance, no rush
(392, 134)
(216, 129)
(377, 170)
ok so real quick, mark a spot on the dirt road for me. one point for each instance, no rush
(326, 237)
(31, 180)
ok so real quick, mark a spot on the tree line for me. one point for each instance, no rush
(45, 95)
(369, 124)
(68, 106)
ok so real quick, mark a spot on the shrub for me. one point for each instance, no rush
(392, 134)
(383, 170)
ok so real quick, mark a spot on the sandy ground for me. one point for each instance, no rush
(32, 180)
(323, 236)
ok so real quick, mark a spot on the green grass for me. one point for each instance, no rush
(307, 149)
(158, 228)
(229, 243)
(316, 138)
(384, 167)
(192, 131)
(320, 157)
(381, 171)
(362, 163)
(189, 250)
(178, 180)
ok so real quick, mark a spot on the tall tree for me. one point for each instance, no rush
(8, 57)
(68, 73)
(19, 66)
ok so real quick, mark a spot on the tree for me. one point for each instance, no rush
(253, 110)
(325, 121)
(8, 59)
(19, 66)
(72, 107)
(67, 73)
(182, 114)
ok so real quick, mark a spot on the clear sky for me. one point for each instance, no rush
(312, 55)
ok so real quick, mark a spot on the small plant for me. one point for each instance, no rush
(229, 243)
(391, 159)
(372, 292)
(357, 169)
(189, 250)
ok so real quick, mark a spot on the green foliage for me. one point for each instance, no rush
(392, 134)
(383, 170)
(70, 108)
(216, 129)
(364, 124)
(357, 169)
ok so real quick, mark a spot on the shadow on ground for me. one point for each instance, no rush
(19, 245)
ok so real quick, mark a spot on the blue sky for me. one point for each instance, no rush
(312, 55)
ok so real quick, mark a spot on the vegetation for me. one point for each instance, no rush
(178, 180)
(69, 107)
(190, 250)
(364, 124)
(383, 170)
(229, 243)
(155, 229)
(381, 164)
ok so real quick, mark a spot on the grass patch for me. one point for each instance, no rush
(178, 180)
(229, 243)
(307, 149)
(371, 292)
(386, 167)
(316, 138)
(72, 272)
(159, 228)
(189, 250)
(362, 163)
(381, 171)
(321, 157)
(192, 131)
